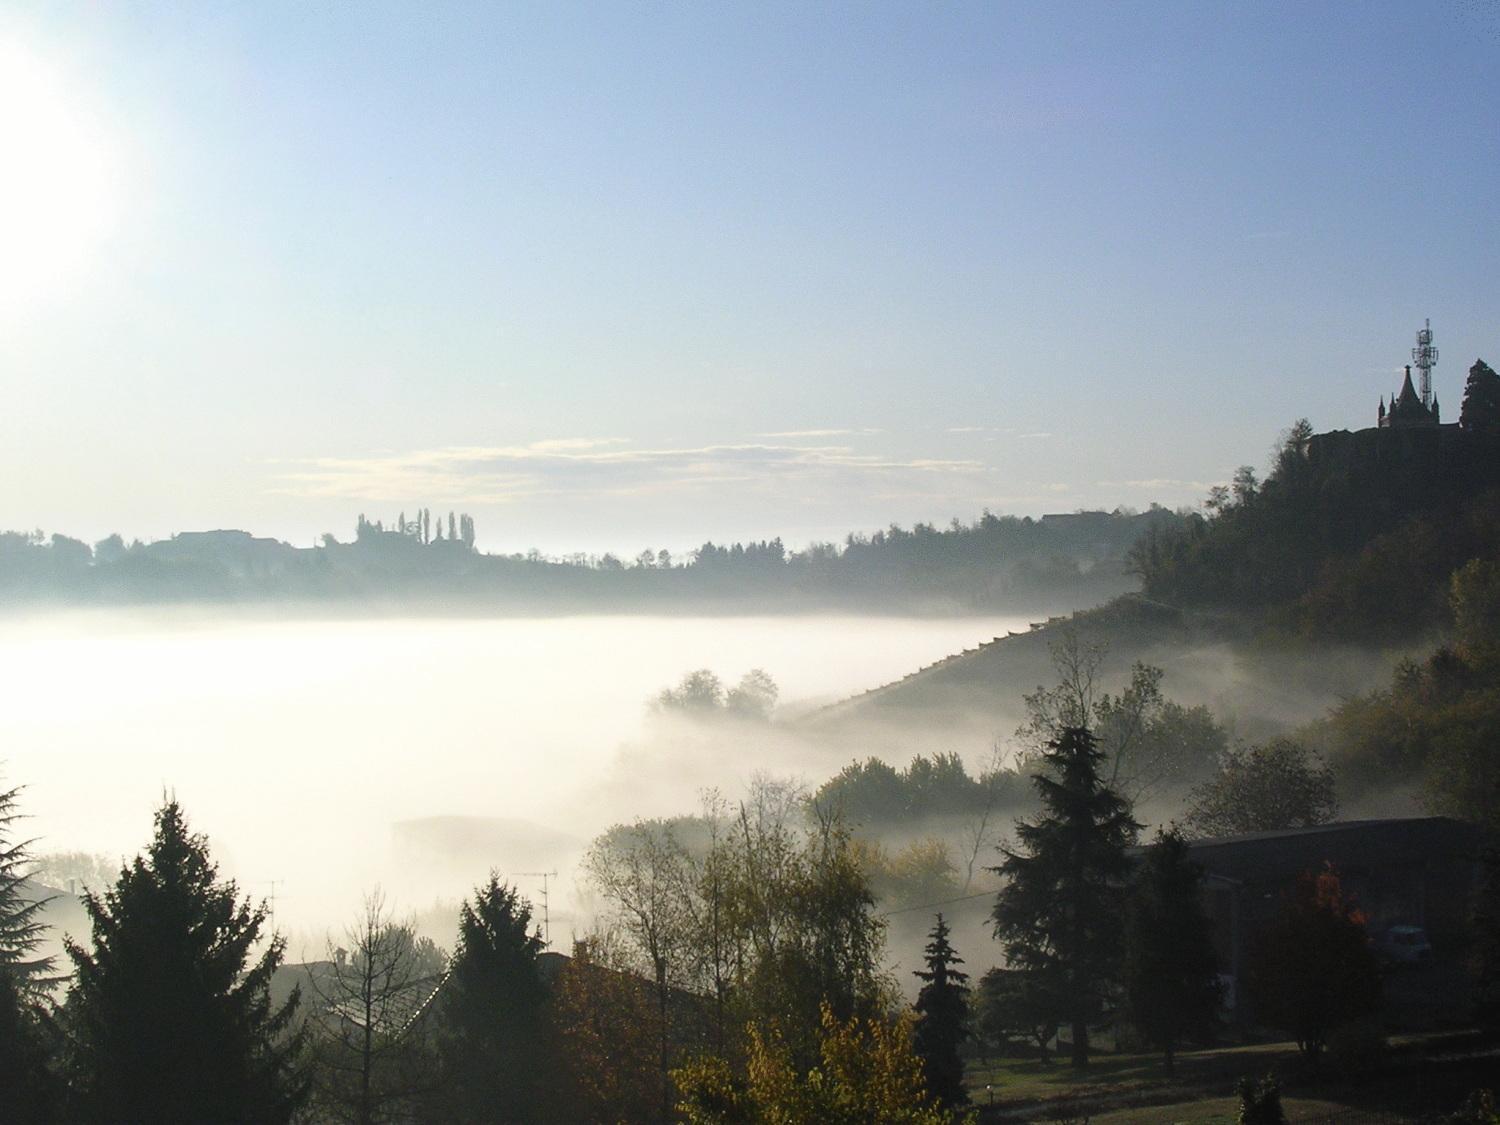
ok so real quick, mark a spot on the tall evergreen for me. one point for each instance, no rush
(943, 1019)
(20, 915)
(28, 1086)
(1480, 411)
(1171, 971)
(492, 1043)
(1058, 915)
(169, 1015)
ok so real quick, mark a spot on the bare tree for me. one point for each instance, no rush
(981, 828)
(1148, 740)
(1069, 703)
(646, 873)
(368, 1051)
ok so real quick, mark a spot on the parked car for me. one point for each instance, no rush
(1404, 945)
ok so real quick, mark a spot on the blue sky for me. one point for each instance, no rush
(611, 276)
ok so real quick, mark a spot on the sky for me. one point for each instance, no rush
(617, 276)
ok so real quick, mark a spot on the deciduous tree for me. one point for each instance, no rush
(1312, 968)
(371, 1059)
(1015, 1005)
(1264, 789)
(866, 1074)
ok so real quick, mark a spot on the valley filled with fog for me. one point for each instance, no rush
(325, 757)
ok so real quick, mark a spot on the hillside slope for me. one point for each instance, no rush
(1284, 597)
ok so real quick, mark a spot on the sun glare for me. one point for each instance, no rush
(57, 189)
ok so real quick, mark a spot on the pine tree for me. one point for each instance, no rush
(491, 1045)
(20, 921)
(1058, 915)
(1171, 970)
(28, 1087)
(1480, 412)
(169, 1018)
(943, 1016)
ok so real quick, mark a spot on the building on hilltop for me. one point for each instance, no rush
(1407, 410)
(1410, 408)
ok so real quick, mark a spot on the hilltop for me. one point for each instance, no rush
(1279, 597)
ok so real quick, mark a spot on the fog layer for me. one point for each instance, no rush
(324, 757)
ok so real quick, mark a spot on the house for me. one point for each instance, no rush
(1408, 871)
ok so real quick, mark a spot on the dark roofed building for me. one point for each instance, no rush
(1410, 871)
(1407, 410)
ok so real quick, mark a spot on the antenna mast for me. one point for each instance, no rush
(1424, 357)
(546, 916)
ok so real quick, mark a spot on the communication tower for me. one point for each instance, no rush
(1424, 358)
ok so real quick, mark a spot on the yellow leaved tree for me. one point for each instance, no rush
(867, 1075)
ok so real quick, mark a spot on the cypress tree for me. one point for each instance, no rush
(943, 1017)
(1171, 971)
(1058, 915)
(170, 1019)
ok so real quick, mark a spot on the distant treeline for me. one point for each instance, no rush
(993, 563)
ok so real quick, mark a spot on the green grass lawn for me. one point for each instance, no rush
(1125, 1089)
(1020, 1080)
(1214, 1111)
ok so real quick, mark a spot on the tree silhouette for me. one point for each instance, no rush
(371, 1060)
(169, 1017)
(942, 1019)
(647, 875)
(20, 922)
(1171, 973)
(1014, 1004)
(29, 1088)
(1480, 411)
(1058, 915)
(1264, 789)
(492, 1043)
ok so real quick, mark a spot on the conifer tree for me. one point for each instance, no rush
(28, 1087)
(942, 1019)
(492, 1044)
(1480, 411)
(20, 922)
(1171, 971)
(1058, 915)
(169, 1015)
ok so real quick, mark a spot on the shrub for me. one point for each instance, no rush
(1260, 1101)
